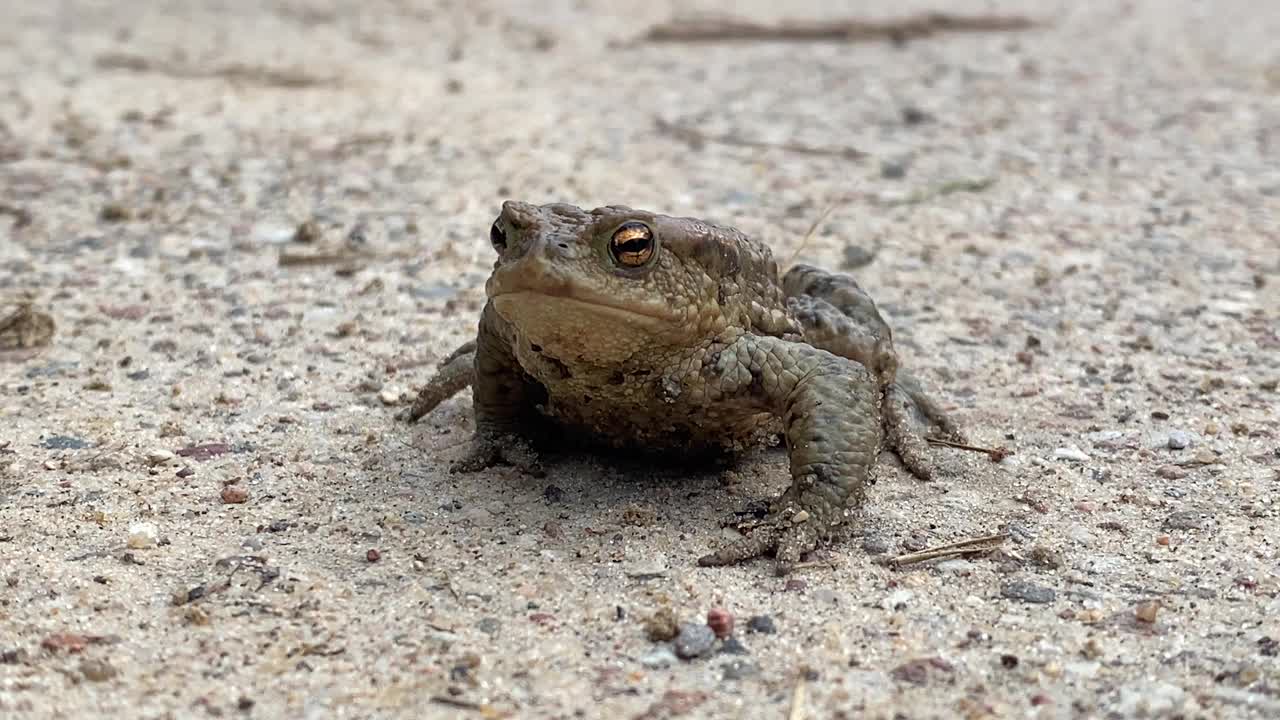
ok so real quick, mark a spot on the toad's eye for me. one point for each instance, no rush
(498, 236)
(632, 244)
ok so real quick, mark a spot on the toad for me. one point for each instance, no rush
(642, 331)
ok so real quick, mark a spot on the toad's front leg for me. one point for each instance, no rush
(500, 391)
(831, 410)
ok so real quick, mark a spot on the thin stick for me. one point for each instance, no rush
(996, 454)
(898, 31)
(455, 702)
(289, 259)
(971, 546)
(797, 700)
(694, 136)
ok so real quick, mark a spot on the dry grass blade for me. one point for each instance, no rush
(971, 546)
(696, 138)
(804, 242)
(897, 31)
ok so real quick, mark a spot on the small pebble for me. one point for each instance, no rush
(661, 626)
(893, 170)
(1028, 592)
(1070, 453)
(234, 494)
(373, 555)
(1146, 612)
(1191, 519)
(694, 640)
(143, 535)
(98, 670)
(160, 456)
(65, 442)
(1179, 440)
(875, 545)
(957, 566)
(720, 621)
(733, 646)
(738, 669)
(762, 624)
(659, 658)
(390, 395)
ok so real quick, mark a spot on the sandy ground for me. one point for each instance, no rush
(208, 510)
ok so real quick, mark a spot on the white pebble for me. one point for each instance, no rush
(159, 456)
(143, 535)
(1071, 452)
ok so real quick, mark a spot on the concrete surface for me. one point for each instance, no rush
(207, 509)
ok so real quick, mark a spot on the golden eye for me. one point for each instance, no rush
(632, 244)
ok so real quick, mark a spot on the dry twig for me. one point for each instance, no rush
(697, 138)
(797, 700)
(897, 31)
(996, 453)
(971, 546)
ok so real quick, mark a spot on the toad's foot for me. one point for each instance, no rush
(788, 532)
(910, 417)
(490, 449)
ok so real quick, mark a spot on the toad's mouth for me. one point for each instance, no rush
(511, 301)
(516, 293)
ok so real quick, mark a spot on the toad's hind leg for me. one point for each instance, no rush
(840, 317)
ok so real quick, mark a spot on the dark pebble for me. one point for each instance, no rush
(739, 669)
(208, 451)
(762, 624)
(1028, 592)
(139, 375)
(694, 640)
(875, 545)
(96, 670)
(912, 115)
(893, 170)
(65, 442)
(553, 493)
(733, 646)
(488, 626)
(1195, 519)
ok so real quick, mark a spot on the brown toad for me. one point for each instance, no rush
(644, 331)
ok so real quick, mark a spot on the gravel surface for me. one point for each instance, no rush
(258, 226)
